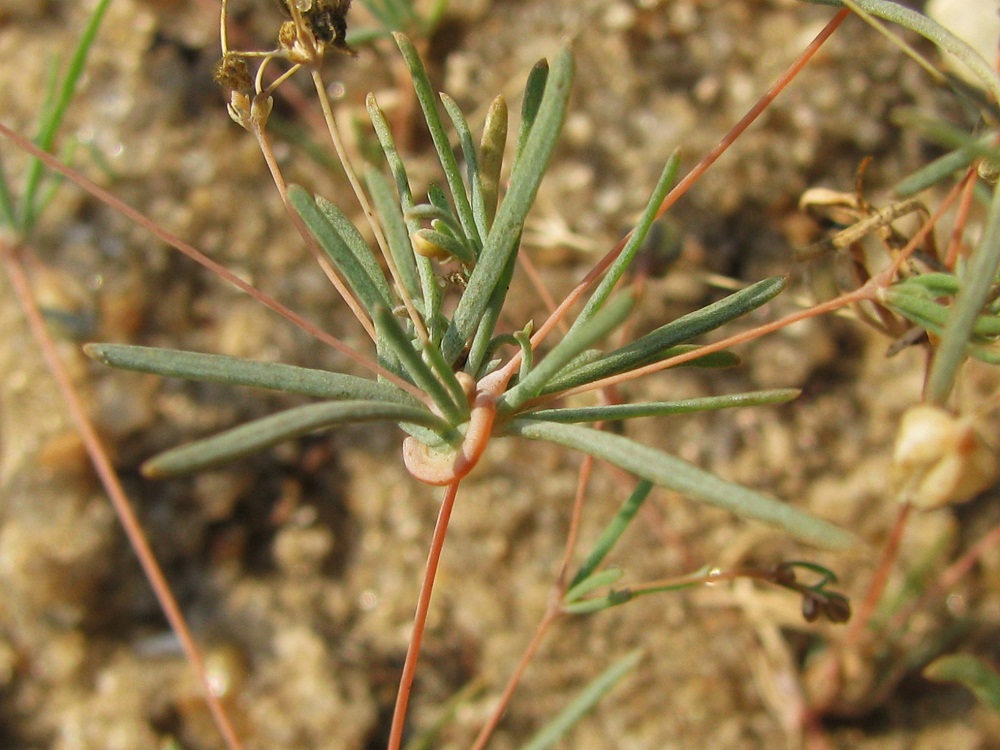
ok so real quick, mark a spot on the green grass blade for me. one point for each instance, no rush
(655, 345)
(552, 732)
(53, 117)
(468, 147)
(216, 368)
(972, 672)
(612, 533)
(428, 103)
(396, 234)
(977, 280)
(365, 279)
(666, 408)
(506, 231)
(572, 344)
(669, 471)
(291, 423)
(634, 244)
(456, 411)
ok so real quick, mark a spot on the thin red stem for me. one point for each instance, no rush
(203, 260)
(968, 188)
(328, 270)
(880, 580)
(863, 293)
(552, 611)
(551, 615)
(681, 187)
(948, 578)
(420, 617)
(119, 500)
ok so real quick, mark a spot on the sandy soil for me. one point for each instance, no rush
(299, 568)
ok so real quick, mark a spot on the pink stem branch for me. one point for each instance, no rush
(420, 618)
(119, 500)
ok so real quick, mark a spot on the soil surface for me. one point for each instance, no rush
(299, 568)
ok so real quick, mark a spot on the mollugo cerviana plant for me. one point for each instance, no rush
(442, 368)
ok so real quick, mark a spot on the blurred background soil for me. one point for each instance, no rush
(299, 568)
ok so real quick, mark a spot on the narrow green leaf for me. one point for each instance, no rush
(428, 281)
(428, 104)
(665, 408)
(583, 703)
(938, 284)
(591, 582)
(613, 598)
(365, 279)
(291, 423)
(572, 344)
(669, 471)
(974, 673)
(215, 368)
(611, 534)
(506, 231)
(977, 280)
(917, 308)
(403, 347)
(989, 354)
(932, 173)
(534, 90)
(53, 118)
(634, 244)
(396, 234)
(356, 244)
(482, 342)
(654, 345)
(468, 147)
(617, 597)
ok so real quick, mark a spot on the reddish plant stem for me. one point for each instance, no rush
(876, 588)
(681, 187)
(538, 284)
(865, 292)
(203, 260)
(420, 617)
(948, 578)
(116, 493)
(551, 615)
(552, 611)
(582, 482)
(319, 256)
(967, 186)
